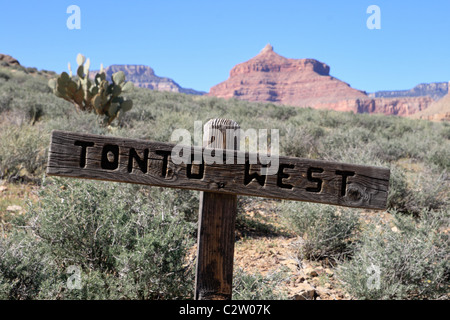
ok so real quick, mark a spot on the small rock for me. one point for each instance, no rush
(3, 188)
(304, 292)
(14, 208)
(310, 272)
(329, 272)
(292, 264)
(301, 278)
(322, 292)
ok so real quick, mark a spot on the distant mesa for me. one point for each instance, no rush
(437, 111)
(270, 77)
(144, 77)
(435, 90)
(8, 59)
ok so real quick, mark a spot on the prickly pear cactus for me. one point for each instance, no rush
(99, 96)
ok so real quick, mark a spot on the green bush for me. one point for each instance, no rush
(327, 231)
(77, 122)
(23, 266)
(114, 233)
(440, 157)
(445, 131)
(5, 76)
(425, 191)
(301, 142)
(5, 102)
(22, 152)
(178, 202)
(411, 259)
(428, 191)
(398, 189)
(31, 70)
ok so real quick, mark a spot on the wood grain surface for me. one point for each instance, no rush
(145, 162)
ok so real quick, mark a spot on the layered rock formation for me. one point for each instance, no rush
(271, 77)
(145, 77)
(435, 90)
(387, 106)
(305, 83)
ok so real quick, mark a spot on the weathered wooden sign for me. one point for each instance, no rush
(144, 162)
(152, 163)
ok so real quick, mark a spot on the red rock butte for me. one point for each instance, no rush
(270, 77)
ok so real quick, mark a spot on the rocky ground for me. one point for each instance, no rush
(276, 249)
(265, 247)
(305, 280)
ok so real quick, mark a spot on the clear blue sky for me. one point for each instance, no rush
(196, 43)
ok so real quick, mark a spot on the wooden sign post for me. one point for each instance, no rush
(144, 162)
(217, 216)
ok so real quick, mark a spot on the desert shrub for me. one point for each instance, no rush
(77, 122)
(301, 142)
(328, 118)
(28, 100)
(4, 76)
(178, 202)
(424, 191)
(35, 113)
(31, 70)
(398, 189)
(440, 157)
(345, 143)
(36, 85)
(445, 131)
(427, 191)
(114, 233)
(397, 128)
(405, 260)
(275, 112)
(22, 152)
(258, 287)
(389, 150)
(5, 102)
(371, 122)
(23, 267)
(327, 231)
